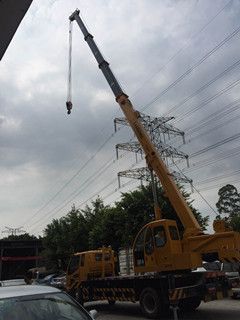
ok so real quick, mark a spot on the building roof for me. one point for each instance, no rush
(11, 15)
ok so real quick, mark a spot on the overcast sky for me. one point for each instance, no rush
(161, 52)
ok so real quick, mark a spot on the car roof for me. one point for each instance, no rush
(25, 290)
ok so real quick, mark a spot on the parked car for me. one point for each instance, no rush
(12, 282)
(232, 272)
(33, 302)
(59, 282)
(46, 280)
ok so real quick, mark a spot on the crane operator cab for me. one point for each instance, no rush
(158, 247)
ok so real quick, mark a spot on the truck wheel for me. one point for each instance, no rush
(189, 304)
(150, 303)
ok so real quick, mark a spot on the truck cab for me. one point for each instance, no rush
(158, 247)
(90, 265)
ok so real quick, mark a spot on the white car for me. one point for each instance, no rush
(30, 302)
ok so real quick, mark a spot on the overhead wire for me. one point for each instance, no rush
(205, 86)
(208, 100)
(192, 68)
(188, 43)
(43, 207)
(215, 145)
(86, 163)
(193, 186)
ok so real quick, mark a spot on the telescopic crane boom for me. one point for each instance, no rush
(181, 207)
(158, 246)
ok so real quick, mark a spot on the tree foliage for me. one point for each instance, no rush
(116, 225)
(228, 205)
(64, 236)
(20, 237)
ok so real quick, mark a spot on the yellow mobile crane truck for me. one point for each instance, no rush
(164, 262)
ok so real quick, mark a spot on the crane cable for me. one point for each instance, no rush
(69, 85)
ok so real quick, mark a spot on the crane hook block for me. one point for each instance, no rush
(69, 106)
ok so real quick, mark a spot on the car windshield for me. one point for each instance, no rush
(51, 306)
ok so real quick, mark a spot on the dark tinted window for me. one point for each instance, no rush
(107, 256)
(139, 250)
(82, 260)
(149, 242)
(74, 263)
(98, 257)
(42, 306)
(173, 233)
(159, 236)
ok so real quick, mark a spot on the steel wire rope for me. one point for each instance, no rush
(218, 185)
(90, 197)
(105, 166)
(212, 51)
(215, 145)
(92, 178)
(205, 86)
(126, 184)
(94, 195)
(196, 65)
(215, 128)
(182, 48)
(205, 200)
(97, 193)
(208, 100)
(72, 178)
(218, 115)
(40, 220)
(106, 186)
(84, 185)
(212, 160)
(111, 135)
(216, 178)
(69, 94)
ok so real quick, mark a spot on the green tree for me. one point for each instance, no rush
(229, 201)
(228, 206)
(116, 225)
(20, 237)
(138, 210)
(64, 236)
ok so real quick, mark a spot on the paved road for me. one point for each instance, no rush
(215, 310)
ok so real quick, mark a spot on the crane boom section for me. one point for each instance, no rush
(153, 159)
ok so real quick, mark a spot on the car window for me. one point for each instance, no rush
(42, 307)
(173, 233)
(98, 257)
(159, 236)
(74, 264)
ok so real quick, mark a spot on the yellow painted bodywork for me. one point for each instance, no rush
(186, 253)
(95, 264)
(174, 253)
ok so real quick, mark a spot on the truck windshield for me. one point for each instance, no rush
(74, 264)
(42, 306)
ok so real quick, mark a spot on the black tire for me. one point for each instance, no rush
(189, 304)
(111, 302)
(150, 303)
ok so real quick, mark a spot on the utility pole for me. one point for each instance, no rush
(159, 131)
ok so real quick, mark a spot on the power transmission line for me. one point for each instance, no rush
(191, 69)
(184, 47)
